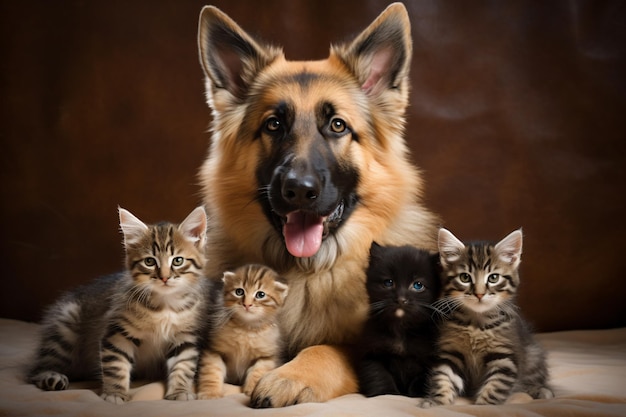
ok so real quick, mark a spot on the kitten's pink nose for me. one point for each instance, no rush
(480, 296)
(164, 279)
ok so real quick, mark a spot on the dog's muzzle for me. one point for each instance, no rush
(306, 204)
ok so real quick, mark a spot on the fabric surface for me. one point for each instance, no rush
(588, 375)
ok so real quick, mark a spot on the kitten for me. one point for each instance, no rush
(399, 336)
(141, 322)
(486, 349)
(248, 343)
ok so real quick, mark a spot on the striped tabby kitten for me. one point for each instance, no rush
(248, 343)
(486, 351)
(142, 322)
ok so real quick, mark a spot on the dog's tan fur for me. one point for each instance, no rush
(327, 302)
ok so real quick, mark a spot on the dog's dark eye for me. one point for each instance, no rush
(272, 124)
(337, 125)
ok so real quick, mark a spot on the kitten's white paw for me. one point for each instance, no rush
(51, 381)
(210, 395)
(425, 403)
(545, 393)
(181, 396)
(249, 386)
(429, 403)
(115, 397)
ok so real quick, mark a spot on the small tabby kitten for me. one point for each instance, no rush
(141, 322)
(398, 339)
(486, 349)
(248, 343)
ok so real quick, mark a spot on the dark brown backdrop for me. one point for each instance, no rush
(517, 118)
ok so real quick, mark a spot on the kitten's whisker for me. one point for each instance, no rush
(437, 311)
(448, 304)
(509, 308)
(378, 307)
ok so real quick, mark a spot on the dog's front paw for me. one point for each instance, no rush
(316, 374)
(277, 390)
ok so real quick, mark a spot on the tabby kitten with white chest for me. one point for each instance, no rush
(248, 342)
(142, 322)
(486, 350)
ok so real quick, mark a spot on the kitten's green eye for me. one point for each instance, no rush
(239, 292)
(388, 283)
(418, 286)
(465, 278)
(493, 278)
(178, 261)
(259, 295)
(149, 261)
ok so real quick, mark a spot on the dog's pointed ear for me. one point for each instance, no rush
(229, 57)
(380, 57)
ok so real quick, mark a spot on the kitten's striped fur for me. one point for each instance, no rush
(142, 322)
(486, 350)
(248, 343)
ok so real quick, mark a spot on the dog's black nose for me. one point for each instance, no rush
(300, 190)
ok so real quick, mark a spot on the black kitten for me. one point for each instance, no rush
(398, 339)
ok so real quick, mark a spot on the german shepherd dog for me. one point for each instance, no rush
(307, 167)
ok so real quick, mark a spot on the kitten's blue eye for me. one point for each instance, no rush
(178, 261)
(465, 278)
(418, 286)
(239, 292)
(149, 261)
(259, 295)
(493, 278)
(388, 283)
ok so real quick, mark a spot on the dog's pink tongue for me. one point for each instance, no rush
(303, 234)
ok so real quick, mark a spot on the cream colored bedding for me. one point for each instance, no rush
(588, 373)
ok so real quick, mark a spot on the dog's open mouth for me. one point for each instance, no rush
(304, 231)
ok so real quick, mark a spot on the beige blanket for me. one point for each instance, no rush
(588, 374)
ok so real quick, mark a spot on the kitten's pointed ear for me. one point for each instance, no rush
(228, 275)
(509, 249)
(280, 285)
(380, 57)
(450, 248)
(435, 261)
(194, 227)
(375, 250)
(229, 56)
(132, 228)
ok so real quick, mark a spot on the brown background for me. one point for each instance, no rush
(517, 118)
